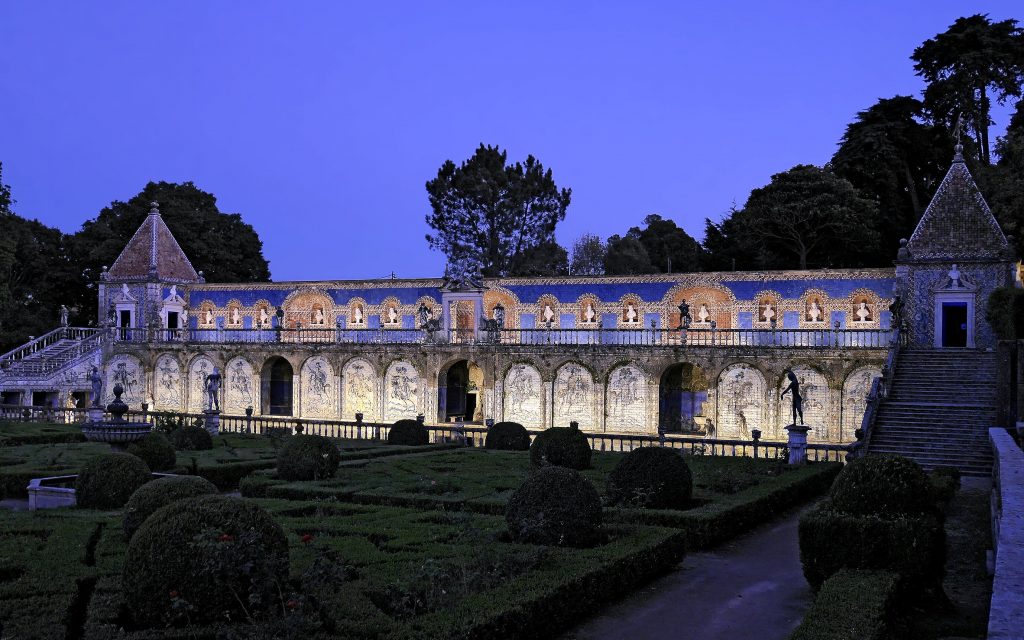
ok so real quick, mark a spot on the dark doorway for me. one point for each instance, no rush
(172, 319)
(276, 387)
(125, 322)
(954, 324)
(681, 397)
(459, 392)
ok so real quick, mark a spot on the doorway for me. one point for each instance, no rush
(681, 396)
(954, 324)
(276, 387)
(459, 392)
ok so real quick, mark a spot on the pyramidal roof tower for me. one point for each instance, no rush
(153, 255)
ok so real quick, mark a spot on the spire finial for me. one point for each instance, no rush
(154, 208)
(958, 150)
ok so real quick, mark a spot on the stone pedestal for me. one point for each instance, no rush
(797, 443)
(95, 414)
(211, 421)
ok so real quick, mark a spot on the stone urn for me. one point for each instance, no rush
(117, 431)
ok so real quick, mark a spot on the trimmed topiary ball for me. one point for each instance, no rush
(408, 432)
(158, 493)
(194, 561)
(307, 457)
(108, 481)
(651, 477)
(561, 447)
(191, 439)
(555, 506)
(883, 485)
(508, 436)
(155, 450)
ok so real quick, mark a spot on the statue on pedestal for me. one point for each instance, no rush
(96, 381)
(798, 401)
(63, 316)
(212, 386)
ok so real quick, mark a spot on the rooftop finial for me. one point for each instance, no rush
(958, 150)
(154, 208)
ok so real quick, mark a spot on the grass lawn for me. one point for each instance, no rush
(392, 573)
(15, 433)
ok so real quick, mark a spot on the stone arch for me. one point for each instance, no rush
(310, 308)
(277, 390)
(240, 387)
(200, 367)
(461, 391)
(508, 300)
(627, 400)
(524, 396)
(741, 406)
(233, 317)
(683, 397)
(718, 300)
(768, 303)
(318, 394)
(575, 397)
(854, 401)
(167, 389)
(403, 391)
(127, 371)
(817, 403)
(360, 390)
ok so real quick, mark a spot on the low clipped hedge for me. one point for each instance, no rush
(851, 604)
(308, 457)
(408, 432)
(883, 485)
(226, 475)
(203, 556)
(107, 481)
(155, 450)
(651, 477)
(555, 506)
(913, 546)
(158, 493)
(507, 436)
(191, 438)
(561, 447)
(256, 485)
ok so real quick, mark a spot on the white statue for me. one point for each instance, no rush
(548, 313)
(862, 312)
(704, 314)
(954, 278)
(264, 317)
(184, 318)
(589, 314)
(630, 313)
(174, 292)
(768, 312)
(209, 316)
(814, 312)
(357, 315)
(319, 317)
(63, 316)
(392, 315)
(125, 293)
(235, 317)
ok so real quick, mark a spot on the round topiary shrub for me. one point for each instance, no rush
(155, 450)
(191, 439)
(555, 506)
(508, 436)
(408, 432)
(651, 477)
(561, 447)
(884, 485)
(158, 493)
(307, 457)
(196, 560)
(106, 482)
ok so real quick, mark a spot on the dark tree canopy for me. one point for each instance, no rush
(626, 256)
(670, 249)
(1003, 182)
(545, 259)
(588, 255)
(893, 157)
(486, 212)
(974, 60)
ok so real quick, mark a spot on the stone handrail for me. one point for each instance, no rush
(880, 387)
(34, 346)
(1006, 614)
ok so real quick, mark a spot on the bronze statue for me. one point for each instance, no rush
(798, 401)
(212, 389)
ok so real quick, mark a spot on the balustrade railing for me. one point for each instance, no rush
(880, 387)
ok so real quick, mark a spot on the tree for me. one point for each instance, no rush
(588, 254)
(1003, 182)
(964, 66)
(721, 245)
(221, 245)
(807, 216)
(485, 212)
(893, 157)
(546, 259)
(626, 256)
(670, 248)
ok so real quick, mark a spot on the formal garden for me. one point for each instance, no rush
(300, 536)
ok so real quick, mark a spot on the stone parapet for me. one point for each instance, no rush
(1006, 615)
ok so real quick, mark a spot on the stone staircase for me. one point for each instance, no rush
(49, 354)
(940, 407)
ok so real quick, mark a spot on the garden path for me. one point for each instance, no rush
(751, 588)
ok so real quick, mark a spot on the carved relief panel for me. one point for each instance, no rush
(361, 390)
(741, 397)
(167, 380)
(127, 371)
(318, 390)
(403, 392)
(627, 400)
(197, 372)
(574, 397)
(240, 387)
(524, 396)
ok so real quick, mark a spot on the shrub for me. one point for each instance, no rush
(155, 450)
(198, 560)
(255, 485)
(508, 436)
(851, 604)
(555, 506)
(408, 432)
(651, 477)
(106, 482)
(162, 491)
(306, 457)
(913, 546)
(191, 438)
(882, 485)
(170, 422)
(1005, 312)
(562, 447)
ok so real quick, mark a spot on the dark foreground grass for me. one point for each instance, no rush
(392, 573)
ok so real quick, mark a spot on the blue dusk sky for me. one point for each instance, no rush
(320, 122)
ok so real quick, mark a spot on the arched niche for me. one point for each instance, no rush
(524, 396)
(360, 390)
(460, 392)
(276, 387)
(318, 395)
(239, 387)
(627, 397)
(682, 398)
(127, 371)
(403, 392)
(167, 384)
(574, 397)
(198, 369)
(856, 388)
(741, 402)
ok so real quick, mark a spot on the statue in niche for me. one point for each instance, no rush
(264, 317)
(684, 314)
(798, 401)
(392, 315)
(318, 315)
(814, 311)
(111, 314)
(63, 316)
(424, 314)
(96, 383)
(357, 315)
(184, 318)
(125, 293)
(631, 315)
(768, 313)
(548, 313)
(954, 278)
(209, 317)
(212, 386)
(236, 317)
(704, 314)
(589, 314)
(863, 313)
